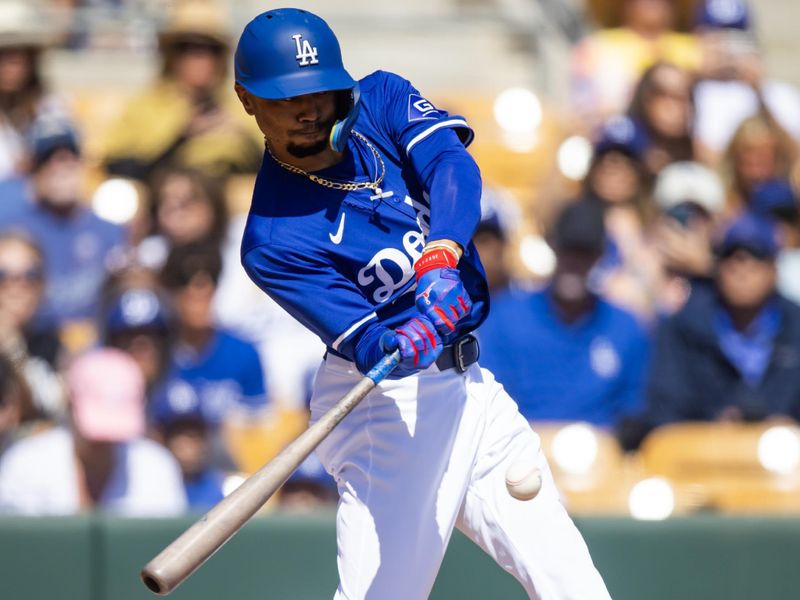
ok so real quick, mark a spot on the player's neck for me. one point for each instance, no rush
(316, 162)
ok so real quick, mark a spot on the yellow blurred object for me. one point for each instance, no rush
(77, 335)
(608, 13)
(731, 467)
(197, 18)
(253, 443)
(589, 468)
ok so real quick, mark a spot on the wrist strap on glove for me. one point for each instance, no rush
(438, 257)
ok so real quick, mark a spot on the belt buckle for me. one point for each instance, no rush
(458, 353)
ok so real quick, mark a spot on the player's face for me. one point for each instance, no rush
(299, 126)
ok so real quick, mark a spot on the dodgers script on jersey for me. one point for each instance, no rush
(338, 260)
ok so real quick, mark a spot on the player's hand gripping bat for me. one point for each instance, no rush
(196, 545)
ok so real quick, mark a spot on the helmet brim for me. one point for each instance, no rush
(300, 84)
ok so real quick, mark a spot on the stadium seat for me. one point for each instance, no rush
(729, 467)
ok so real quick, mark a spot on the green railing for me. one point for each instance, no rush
(293, 558)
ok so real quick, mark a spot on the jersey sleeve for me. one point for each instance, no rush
(313, 292)
(409, 118)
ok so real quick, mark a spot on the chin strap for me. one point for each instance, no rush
(341, 129)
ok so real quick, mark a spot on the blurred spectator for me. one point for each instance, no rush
(309, 488)
(24, 97)
(759, 151)
(34, 350)
(662, 104)
(188, 117)
(491, 237)
(16, 406)
(188, 206)
(607, 64)
(139, 322)
(732, 352)
(211, 371)
(564, 353)
(618, 180)
(75, 241)
(733, 85)
(184, 431)
(690, 198)
(101, 460)
(777, 200)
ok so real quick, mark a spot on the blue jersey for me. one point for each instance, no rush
(339, 261)
(592, 370)
(75, 252)
(224, 377)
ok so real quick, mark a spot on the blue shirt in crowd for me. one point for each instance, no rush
(226, 376)
(75, 251)
(592, 370)
(205, 490)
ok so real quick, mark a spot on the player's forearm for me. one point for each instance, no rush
(455, 197)
(453, 182)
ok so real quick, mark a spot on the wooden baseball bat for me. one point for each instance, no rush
(198, 543)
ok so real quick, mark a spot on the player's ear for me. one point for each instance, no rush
(244, 98)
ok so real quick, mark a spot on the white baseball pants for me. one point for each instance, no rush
(425, 453)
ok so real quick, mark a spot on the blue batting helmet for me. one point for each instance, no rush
(291, 52)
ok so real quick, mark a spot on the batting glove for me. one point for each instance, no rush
(440, 293)
(418, 342)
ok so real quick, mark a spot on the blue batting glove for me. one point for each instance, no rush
(442, 298)
(418, 342)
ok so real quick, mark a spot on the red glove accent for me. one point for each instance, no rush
(437, 258)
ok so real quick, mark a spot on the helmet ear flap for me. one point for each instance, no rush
(342, 128)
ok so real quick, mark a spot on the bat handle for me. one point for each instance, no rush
(384, 366)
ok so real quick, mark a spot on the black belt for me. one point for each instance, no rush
(460, 354)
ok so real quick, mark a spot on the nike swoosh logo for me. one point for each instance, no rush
(336, 239)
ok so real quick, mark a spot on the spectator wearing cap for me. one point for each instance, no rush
(138, 321)
(606, 65)
(733, 351)
(183, 429)
(776, 199)
(24, 96)
(492, 239)
(75, 242)
(662, 105)
(690, 198)
(188, 117)
(619, 181)
(211, 370)
(733, 86)
(101, 461)
(564, 353)
(33, 349)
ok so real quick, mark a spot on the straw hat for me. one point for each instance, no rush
(608, 13)
(23, 24)
(193, 19)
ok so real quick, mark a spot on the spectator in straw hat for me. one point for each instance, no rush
(187, 117)
(24, 97)
(102, 460)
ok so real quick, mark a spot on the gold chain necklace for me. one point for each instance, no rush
(348, 186)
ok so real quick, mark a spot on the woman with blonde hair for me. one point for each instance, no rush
(759, 151)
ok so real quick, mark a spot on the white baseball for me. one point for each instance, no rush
(523, 480)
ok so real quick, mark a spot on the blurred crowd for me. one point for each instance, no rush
(133, 355)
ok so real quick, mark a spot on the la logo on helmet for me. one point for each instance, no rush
(306, 54)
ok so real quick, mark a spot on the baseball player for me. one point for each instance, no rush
(360, 227)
